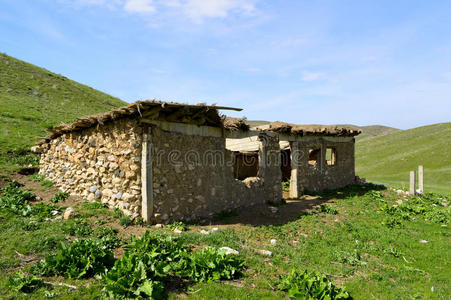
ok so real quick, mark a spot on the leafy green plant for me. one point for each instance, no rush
(147, 262)
(132, 277)
(59, 197)
(25, 158)
(177, 225)
(93, 205)
(210, 264)
(125, 221)
(37, 177)
(352, 258)
(117, 213)
(311, 286)
(107, 237)
(286, 186)
(328, 209)
(23, 283)
(42, 210)
(29, 225)
(430, 207)
(47, 183)
(375, 195)
(15, 199)
(77, 227)
(82, 259)
(41, 178)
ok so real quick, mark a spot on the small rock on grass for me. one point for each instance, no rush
(265, 252)
(159, 225)
(204, 232)
(177, 231)
(423, 241)
(69, 213)
(273, 241)
(229, 250)
(214, 229)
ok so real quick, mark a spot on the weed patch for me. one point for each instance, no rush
(23, 283)
(82, 259)
(328, 209)
(177, 225)
(125, 221)
(311, 286)
(59, 197)
(210, 264)
(77, 227)
(429, 207)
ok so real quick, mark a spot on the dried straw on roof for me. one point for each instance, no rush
(200, 114)
(318, 130)
(233, 124)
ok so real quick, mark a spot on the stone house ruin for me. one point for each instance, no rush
(169, 161)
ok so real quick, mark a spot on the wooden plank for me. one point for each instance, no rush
(412, 183)
(421, 179)
(295, 161)
(146, 176)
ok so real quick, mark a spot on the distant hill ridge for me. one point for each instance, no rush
(32, 99)
(389, 158)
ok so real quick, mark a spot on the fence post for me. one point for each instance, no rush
(421, 179)
(412, 183)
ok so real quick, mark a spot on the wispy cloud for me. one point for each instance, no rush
(195, 10)
(139, 6)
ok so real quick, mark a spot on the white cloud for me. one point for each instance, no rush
(194, 10)
(139, 6)
(311, 76)
(200, 9)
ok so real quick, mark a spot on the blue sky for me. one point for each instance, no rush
(354, 62)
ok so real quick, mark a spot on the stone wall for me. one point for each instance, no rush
(98, 163)
(323, 176)
(193, 176)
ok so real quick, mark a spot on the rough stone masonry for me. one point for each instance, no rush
(167, 161)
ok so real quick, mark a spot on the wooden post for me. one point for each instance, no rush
(420, 179)
(146, 177)
(294, 186)
(412, 183)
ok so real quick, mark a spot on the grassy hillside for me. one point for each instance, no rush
(254, 123)
(389, 158)
(372, 131)
(356, 236)
(32, 98)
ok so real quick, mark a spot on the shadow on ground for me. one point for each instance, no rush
(293, 208)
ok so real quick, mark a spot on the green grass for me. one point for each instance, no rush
(388, 159)
(349, 240)
(372, 131)
(33, 99)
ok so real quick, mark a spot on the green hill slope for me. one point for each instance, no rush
(32, 99)
(372, 131)
(388, 159)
